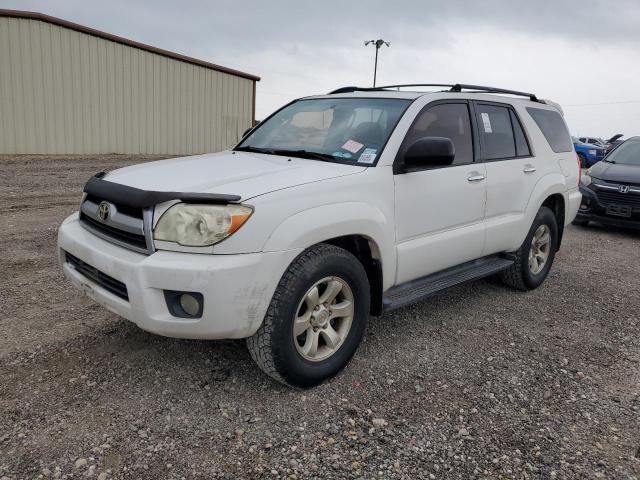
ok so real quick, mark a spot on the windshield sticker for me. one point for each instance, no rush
(486, 122)
(342, 154)
(368, 156)
(352, 146)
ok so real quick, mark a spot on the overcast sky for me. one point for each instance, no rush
(583, 54)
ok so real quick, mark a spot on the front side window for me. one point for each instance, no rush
(626, 154)
(448, 120)
(345, 130)
(553, 128)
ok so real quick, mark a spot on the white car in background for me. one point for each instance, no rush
(335, 208)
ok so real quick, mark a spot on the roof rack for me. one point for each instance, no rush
(457, 87)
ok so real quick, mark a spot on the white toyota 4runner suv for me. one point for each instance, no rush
(335, 208)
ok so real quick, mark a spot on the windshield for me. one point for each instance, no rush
(626, 154)
(346, 130)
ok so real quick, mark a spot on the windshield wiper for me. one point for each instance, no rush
(608, 161)
(325, 157)
(305, 154)
(252, 149)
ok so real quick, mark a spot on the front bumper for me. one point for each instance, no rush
(237, 289)
(592, 209)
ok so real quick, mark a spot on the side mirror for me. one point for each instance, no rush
(429, 152)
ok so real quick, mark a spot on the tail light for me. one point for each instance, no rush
(579, 167)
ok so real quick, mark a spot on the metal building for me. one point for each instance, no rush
(70, 89)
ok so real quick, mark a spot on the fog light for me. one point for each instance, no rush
(184, 304)
(190, 304)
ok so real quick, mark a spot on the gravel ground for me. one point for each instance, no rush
(478, 382)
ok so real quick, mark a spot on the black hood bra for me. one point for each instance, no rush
(137, 198)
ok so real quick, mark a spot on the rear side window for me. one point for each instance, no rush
(553, 128)
(496, 134)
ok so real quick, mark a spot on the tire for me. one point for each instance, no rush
(288, 358)
(521, 274)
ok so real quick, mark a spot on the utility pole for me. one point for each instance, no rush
(377, 43)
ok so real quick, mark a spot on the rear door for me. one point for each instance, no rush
(512, 173)
(440, 211)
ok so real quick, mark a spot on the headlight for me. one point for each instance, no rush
(196, 225)
(585, 180)
(592, 152)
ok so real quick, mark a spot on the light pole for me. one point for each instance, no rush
(377, 43)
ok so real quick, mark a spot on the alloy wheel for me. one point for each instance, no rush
(540, 249)
(323, 319)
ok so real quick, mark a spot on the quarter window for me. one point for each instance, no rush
(449, 120)
(553, 128)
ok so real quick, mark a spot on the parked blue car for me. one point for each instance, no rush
(589, 154)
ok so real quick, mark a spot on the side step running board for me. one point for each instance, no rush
(424, 287)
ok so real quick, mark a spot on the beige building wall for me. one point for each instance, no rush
(63, 91)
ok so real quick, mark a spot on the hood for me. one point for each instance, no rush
(614, 172)
(235, 173)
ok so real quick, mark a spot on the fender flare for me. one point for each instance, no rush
(550, 184)
(318, 224)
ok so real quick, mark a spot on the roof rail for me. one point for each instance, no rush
(457, 87)
(377, 89)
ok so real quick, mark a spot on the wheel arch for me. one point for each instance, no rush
(361, 228)
(368, 254)
(556, 204)
(549, 191)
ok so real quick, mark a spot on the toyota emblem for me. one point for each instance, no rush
(103, 211)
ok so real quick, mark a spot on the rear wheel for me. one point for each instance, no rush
(535, 256)
(316, 319)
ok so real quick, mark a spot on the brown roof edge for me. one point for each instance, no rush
(124, 41)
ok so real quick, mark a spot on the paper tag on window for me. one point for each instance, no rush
(486, 122)
(368, 156)
(352, 146)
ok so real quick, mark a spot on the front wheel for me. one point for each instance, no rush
(535, 256)
(316, 319)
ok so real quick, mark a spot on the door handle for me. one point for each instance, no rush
(529, 169)
(476, 177)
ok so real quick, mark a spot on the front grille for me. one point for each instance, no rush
(123, 225)
(608, 198)
(110, 284)
(121, 236)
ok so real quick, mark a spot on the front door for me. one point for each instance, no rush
(440, 211)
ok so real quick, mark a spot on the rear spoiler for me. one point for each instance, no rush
(554, 105)
(137, 198)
